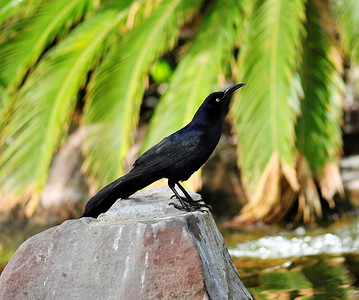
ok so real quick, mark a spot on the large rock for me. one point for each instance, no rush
(142, 248)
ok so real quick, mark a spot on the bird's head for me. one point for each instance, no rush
(229, 91)
(213, 104)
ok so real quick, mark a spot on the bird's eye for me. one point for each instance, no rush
(217, 99)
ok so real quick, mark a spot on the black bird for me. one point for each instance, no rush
(176, 157)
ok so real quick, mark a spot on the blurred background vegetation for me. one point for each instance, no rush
(86, 86)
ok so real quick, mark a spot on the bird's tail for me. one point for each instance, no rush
(123, 187)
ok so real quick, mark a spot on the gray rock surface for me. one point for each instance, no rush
(142, 248)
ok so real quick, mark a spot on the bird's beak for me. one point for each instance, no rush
(231, 89)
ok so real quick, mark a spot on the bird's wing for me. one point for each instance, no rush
(171, 149)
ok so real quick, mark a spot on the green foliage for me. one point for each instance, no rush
(199, 71)
(118, 85)
(12, 10)
(263, 116)
(26, 39)
(318, 129)
(41, 116)
(97, 56)
(346, 13)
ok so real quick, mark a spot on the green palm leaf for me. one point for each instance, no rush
(198, 73)
(346, 13)
(35, 33)
(116, 92)
(10, 9)
(42, 111)
(264, 116)
(119, 5)
(318, 128)
(7, 7)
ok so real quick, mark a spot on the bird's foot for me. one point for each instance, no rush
(197, 205)
(194, 203)
(188, 208)
(191, 205)
(206, 206)
(185, 207)
(189, 201)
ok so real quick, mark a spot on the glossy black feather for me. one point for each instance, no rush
(176, 157)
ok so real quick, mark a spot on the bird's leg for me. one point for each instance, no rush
(181, 200)
(189, 199)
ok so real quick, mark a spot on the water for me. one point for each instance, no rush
(321, 263)
(343, 240)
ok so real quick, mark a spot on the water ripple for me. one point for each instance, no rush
(344, 240)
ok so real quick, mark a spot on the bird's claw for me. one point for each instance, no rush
(192, 205)
(186, 208)
(199, 204)
(185, 199)
(193, 202)
(207, 206)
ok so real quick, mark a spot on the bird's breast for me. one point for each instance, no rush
(195, 157)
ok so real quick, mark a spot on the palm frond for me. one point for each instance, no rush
(318, 128)
(115, 4)
(11, 10)
(198, 73)
(43, 109)
(35, 32)
(346, 14)
(6, 7)
(264, 114)
(115, 96)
